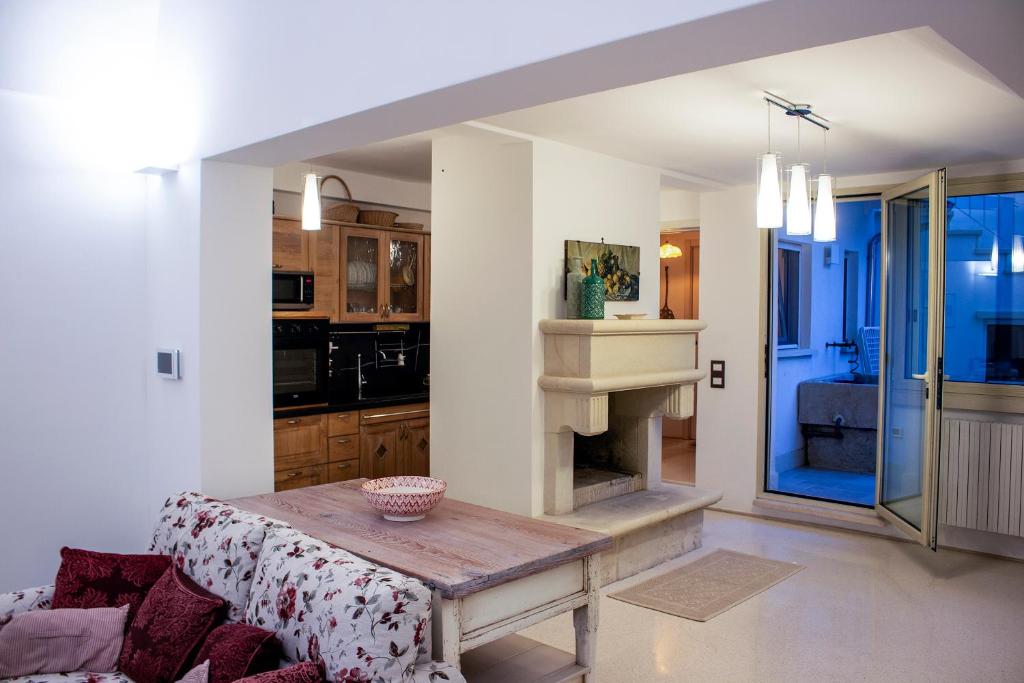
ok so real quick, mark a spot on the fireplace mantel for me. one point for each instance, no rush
(653, 364)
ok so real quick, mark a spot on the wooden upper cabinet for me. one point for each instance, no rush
(426, 277)
(325, 257)
(290, 245)
(363, 281)
(405, 277)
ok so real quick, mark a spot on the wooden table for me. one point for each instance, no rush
(492, 573)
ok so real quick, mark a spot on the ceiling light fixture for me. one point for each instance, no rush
(798, 205)
(825, 205)
(769, 185)
(310, 202)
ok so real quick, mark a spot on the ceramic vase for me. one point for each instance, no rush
(592, 300)
(573, 288)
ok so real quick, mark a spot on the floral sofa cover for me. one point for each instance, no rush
(361, 622)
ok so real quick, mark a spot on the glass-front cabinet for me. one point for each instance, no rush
(381, 275)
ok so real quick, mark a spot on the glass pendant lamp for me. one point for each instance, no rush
(798, 206)
(310, 202)
(769, 185)
(825, 205)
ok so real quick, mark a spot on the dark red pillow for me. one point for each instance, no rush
(239, 650)
(88, 579)
(305, 672)
(171, 622)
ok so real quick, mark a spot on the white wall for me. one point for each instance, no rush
(481, 320)
(72, 361)
(234, 322)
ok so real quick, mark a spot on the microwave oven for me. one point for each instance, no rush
(292, 290)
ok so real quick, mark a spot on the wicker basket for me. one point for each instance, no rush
(384, 219)
(409, 226)
(344, 212)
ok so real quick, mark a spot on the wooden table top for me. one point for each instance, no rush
(458, 548)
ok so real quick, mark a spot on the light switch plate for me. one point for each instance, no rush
(718, 374)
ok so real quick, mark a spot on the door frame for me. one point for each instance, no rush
(935, 182)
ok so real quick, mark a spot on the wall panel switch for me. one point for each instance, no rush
(718, 374)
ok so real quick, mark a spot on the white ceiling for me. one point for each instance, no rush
(899, 101)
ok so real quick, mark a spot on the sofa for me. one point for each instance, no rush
(360, 622)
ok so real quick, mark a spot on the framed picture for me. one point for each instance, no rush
(618, 265)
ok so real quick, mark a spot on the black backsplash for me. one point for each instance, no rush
(395, 360)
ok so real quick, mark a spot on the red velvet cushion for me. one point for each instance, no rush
(306, 672)
(88, 579)
(171, 622)
(239, 650)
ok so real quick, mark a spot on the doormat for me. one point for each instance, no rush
(709, 586)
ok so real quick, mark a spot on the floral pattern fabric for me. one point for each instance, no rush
(77, 677)
(214, 543)
(359, 622)
(40, 597)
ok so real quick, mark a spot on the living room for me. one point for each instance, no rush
(513, 176)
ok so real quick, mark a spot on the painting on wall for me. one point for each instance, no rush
(617, 264)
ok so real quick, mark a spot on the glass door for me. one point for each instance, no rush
(913, 239)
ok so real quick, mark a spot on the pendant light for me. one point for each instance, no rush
(798, 206)
(825, 206)
(310, 202)
(1017, 255)
(769, 186)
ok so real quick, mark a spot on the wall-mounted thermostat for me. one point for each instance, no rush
(167, 363)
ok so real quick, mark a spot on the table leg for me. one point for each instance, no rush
(584, 619)
(446, 629)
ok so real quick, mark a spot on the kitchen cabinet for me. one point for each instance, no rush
(414, 447)
(286, 480)
(378, 450)
(426, 277)
(290, 245)
(342, 471)
(325, 262)
(405, 277)
(395, 439)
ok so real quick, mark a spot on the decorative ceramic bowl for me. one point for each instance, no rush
(404, 499)
(630, 316)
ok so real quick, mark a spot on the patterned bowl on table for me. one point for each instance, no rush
(404, 499)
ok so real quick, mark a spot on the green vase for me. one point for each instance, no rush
(592, 301)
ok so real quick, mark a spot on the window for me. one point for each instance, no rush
(794, 296)
(984, 324)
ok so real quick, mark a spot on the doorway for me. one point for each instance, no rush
(680, 297)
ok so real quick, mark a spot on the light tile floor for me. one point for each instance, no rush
(864, 609)
(846, 487)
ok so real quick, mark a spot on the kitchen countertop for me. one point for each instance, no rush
(354, 405)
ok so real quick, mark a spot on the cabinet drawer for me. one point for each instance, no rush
(343, 447)
(298, 478)
(343, 423)
(393, 413)
(342, 471)
(296, 422)
(296, 441)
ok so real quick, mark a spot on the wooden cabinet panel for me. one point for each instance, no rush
(404, 301)
(342, 471)
(426, 277)
(343, 423)
(325, 259)
(394, 413)
(295, 422)
(299, 478)
(290, 245)
(362, 274)
(378, 445)
(415, 447)
(343, 447)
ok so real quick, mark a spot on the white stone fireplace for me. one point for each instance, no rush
(616, 378)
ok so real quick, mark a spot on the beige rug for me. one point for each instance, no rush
(709, 586)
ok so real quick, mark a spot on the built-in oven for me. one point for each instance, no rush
(300, 362)
(292, 290)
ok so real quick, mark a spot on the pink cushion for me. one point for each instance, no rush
(198, 674)
(61, 641)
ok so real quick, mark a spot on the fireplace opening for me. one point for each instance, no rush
(605, 465)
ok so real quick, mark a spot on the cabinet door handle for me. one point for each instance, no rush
(342, 416)
(343, 441)
(293, 422)
(275, 265)
(293, 474)
(344, 466)
(403, 412)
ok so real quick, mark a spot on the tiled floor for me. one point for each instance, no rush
(678, 460)
(865, 609)
(846, 487)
